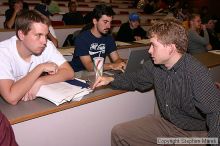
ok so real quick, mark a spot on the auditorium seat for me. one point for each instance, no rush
(57, 23)
(116, 22)
(124, 12)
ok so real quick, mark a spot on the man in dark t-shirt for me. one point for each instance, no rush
(73, 17)
(97, 42)
(131, 30)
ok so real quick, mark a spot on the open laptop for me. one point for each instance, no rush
(136, 59)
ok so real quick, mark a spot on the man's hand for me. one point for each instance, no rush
(102, 81)
(50, 67)
(137, 38)
(209, 47)
(119, 66)
(17, 7)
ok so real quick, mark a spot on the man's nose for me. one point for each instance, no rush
(44, 40)
(150, 49)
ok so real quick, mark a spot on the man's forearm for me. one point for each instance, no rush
(11, 21)
(61, 75)
(19, 88)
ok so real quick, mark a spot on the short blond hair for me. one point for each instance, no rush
(170, 31)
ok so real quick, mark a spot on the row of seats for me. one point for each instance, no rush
(116, 23)
(64, 9)
(61, 32)
(117, 19)
(80, 4)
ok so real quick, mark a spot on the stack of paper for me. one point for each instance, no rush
(61, 92)
(215, 51)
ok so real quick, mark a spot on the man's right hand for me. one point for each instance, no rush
(17, 7)
(50, 67)
(102, 81)
(119, 66)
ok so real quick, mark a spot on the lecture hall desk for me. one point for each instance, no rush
(212, 61)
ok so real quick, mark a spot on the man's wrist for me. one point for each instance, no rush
(111, 79)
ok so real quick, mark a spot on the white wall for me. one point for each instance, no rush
(86, 125)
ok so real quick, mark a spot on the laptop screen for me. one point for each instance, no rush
(137, 59)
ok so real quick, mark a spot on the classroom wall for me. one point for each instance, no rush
(86, 125)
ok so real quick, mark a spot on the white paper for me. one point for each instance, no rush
(61, 92)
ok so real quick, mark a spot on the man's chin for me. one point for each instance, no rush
(37, 53)
(105, 32)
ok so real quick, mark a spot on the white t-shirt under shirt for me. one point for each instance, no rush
(14, 67)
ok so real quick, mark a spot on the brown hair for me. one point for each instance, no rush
(193, 16)
(72, 3)
(25, 19)
(170, 31)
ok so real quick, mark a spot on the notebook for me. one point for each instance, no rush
(135, 61)
(61, 92)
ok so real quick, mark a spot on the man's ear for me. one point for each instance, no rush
(20, 35)
(172, 48)
(94, 21)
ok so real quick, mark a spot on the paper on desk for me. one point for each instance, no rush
(215, 51)
(143, 41)
(61, 92)
(118, 43)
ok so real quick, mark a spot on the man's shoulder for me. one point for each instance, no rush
(66, 14)
(75, 14)
(84, 33)
(8, 48)
(8, 11)
(191, 32)
(193, 65)
(126, 24)
(8, 42)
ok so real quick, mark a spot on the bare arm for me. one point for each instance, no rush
(11, 21)
(118, 63)
(64, 72)
(52, 36)
(13, 92)
(87, 62)
(53, 39)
